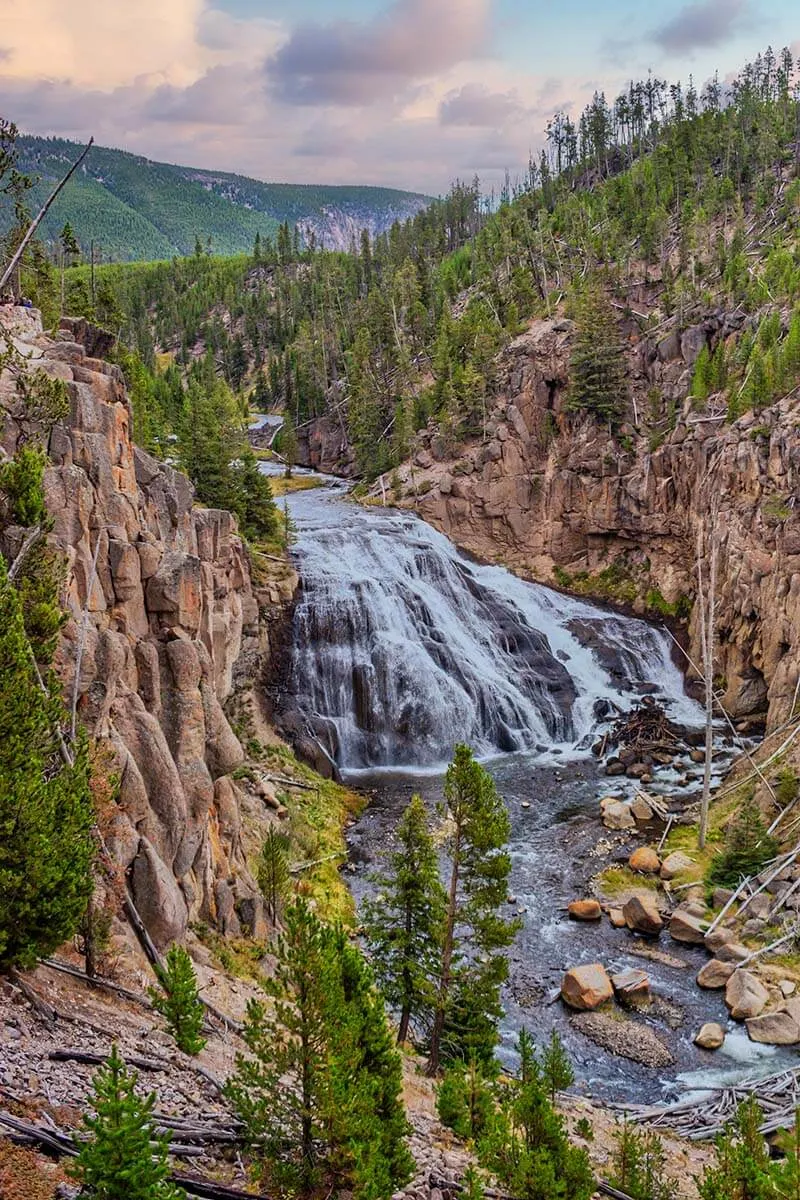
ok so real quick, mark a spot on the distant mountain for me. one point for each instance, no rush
(135, 208)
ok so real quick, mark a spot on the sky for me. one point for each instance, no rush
(403, 93)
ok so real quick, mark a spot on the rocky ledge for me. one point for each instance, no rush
(164, 620)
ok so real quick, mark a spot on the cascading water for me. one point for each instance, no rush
(403, 647)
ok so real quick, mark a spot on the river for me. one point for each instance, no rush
(402, 647)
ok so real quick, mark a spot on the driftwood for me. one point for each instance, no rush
(703, 1119)
(92, 1058)
(284, 781)
(298, 868)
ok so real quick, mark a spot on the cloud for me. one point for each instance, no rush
(704, 24)
(351, 64)
(474, 105)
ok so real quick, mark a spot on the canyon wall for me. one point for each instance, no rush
(555, 497)
(164, 623)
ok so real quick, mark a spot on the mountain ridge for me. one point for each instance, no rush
(136, 208)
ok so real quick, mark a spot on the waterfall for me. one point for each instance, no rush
(402, 647)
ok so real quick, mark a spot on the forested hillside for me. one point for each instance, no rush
(133, 208)
(657, 207)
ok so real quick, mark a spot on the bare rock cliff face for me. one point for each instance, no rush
(161, 610)
(548, 490)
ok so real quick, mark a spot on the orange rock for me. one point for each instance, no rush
(645, 860)
(585, 910)
(586, 988)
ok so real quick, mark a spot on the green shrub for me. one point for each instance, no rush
(747, 848)
(178, 1002)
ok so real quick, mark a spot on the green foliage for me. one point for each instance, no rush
(21, 485)
(638, 1164)
(124, 1155)
(465, 1101)
(320, 1091)
(528, 1149)
(598, 376)
(557, 1072)
(404, 924)
(272, 872)
(583, 1128)
(473, 967)
(747, 848)
(178, 1001)
(46, 844)
(743, 1170)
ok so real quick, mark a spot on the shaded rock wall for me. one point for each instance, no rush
(547, 489)
(158, 627)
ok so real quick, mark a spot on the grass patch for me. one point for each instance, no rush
(616, 881)
(281, 486)
(238, 956)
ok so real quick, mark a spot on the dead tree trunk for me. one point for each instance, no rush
(707, 602)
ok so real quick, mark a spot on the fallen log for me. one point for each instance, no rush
(92, 1058)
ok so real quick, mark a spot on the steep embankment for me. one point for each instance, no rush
(558, 498)
(164, 623)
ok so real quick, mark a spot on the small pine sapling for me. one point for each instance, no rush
(178, 1001)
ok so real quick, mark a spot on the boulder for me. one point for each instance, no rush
(586, 988)
(631, 986)
(157, 897)
(617, 918)
(585, 910)
(642, 915)
(645, 860)
(674, 863)
(685, 927)
(641, 809)
(745, 995)
(760, 906)
(720, 897)
(710, 1037)
(718, 938)
(618, 816)
(788, 987)
(733, 952)
(774, 1029)
(715, 974)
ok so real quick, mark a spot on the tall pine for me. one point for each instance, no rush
(597, 363)
(472, 967)
(404, 923)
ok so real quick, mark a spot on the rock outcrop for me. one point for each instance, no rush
(548, 491)
(161, 610)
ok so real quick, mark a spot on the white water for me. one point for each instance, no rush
(403, 647)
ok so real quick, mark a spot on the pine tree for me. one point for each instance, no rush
(178, 1001)
(123, 1156)
(743, 1169)
(556, 1067)
(464, 1101)
(46, 844)
(320, 1091)
(597, 364)
(404, 923)
(272, 872)
(478, 830)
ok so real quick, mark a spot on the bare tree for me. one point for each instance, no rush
(707, 547)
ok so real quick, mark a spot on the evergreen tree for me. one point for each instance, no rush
(743, 1170)
(46, 844)
(287, 443)
(404, 923)
(528, 1149)
(557, 1069)
(272, 872)
(320, 1089)
(178, 1001)
(638, 1164)
(474, 932)
(747, 848)
(598, 379)
(464, 1101)
(123, 1156)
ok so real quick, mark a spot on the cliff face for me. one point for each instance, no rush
(161, 610)
(548, 492)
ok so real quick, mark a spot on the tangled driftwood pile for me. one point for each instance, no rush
(702, 1118)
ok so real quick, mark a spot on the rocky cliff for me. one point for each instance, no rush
(164, 623)
(555, 497)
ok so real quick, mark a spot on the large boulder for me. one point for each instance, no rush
(618, 815)
(631, 986)
(585, 910)
(646, 860)
(586, 988)
(719, 937)
(684, 927)
(774, 1029)
(642, 915)
(710, 1037)
(745, 995)
(715, 974)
